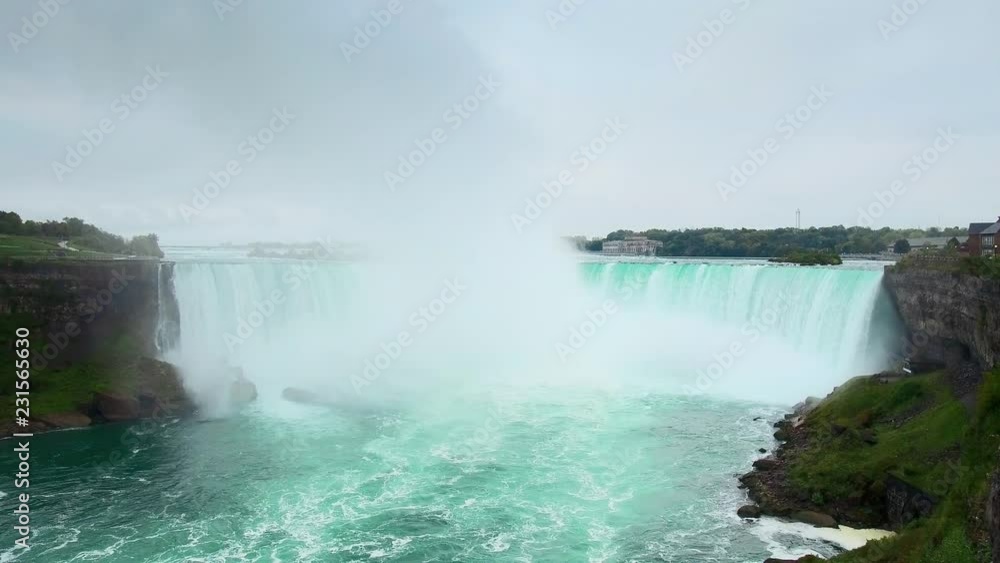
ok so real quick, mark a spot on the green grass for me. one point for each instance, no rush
(36, 248)
(14, 245)
(954, 532)
(65, 389)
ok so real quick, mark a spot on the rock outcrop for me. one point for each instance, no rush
(302, 396)
(94, 327)
(116, 407)
(242, 391)
(949, 317)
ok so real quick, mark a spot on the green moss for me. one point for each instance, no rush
(954, 532)
(68, 388)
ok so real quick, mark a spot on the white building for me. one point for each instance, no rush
(631, 246)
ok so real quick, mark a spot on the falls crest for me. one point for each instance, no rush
(753, 331)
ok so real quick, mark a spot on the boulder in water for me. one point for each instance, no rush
(242, 391)
(766, 464)
(301, 396)
(749, 511)
(817, 519)
(116, 408)
(64, 420)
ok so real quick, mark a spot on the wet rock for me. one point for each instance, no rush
(766, 464)
(762, 450)
(242, 391)
(781, 435)
(749, 511)
(64, 420)
(905, 502)
(297, 395)
(817, 519)
(115, 408)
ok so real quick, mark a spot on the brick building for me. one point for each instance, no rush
(984, 239)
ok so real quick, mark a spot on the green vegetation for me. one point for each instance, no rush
(951, 261)
(901, 246)
(765, 243)
(32, 239)
(64, 388)
(810, 258)
(923, 435)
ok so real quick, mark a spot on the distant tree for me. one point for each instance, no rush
(953, 243)
(145, 245)
(595, 245)
(74, 227)
(10, 223)
(620, 235)
(901, 246)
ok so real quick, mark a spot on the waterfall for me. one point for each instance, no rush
(756, 331)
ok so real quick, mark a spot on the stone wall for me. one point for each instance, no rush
(951, 318)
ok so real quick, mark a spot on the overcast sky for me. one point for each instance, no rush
(354, 106)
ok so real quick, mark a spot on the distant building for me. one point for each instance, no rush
(924, 243)
(984, 238)
(631, 246)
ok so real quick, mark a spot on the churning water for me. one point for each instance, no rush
(598, 412)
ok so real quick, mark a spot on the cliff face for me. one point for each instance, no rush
(94, 329)
(76, 306)
(950, 317)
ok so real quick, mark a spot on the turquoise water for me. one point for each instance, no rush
(473, 445)
(550, 477)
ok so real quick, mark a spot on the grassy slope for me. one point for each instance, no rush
(64, 390)
(926, 437)
(16, 246)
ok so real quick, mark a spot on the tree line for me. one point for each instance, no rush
(81, 235)
(763, 243)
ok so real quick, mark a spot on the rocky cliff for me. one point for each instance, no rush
(94, 329)
(951, 318)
